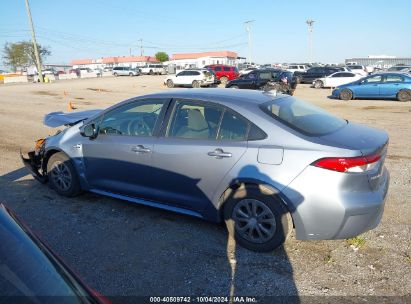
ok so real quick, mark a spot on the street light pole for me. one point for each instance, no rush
(250, 48)
(33, 36)
(310, 24)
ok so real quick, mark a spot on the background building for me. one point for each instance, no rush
(380, 61)
(199, 60)
(127, 61)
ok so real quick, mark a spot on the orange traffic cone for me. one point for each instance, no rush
(70, 107)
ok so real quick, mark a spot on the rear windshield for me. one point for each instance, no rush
(303, 117)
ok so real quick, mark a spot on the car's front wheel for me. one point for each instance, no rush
(234, 87)
(195, 84)
(259, 221)
(131, 74)
(318, 84)
(62, 175)
(404, 95)
(115, 74)
(224, 80)
(170, 83)
(346, 94)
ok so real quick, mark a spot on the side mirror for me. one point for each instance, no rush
(89, 131)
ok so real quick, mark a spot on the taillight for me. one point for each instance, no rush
(348, 164)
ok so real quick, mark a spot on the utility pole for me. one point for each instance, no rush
(310, 24)
(33, 35)
(248, 25)
(141, 47)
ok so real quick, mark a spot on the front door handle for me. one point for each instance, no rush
(219, 153)
(140, 149)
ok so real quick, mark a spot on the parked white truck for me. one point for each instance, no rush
(153, 69)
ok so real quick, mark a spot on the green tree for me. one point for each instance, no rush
(21, 54)
(162, 56)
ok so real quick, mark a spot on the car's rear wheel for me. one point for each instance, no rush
(151, 72)
(258, 221)
(318, 84)
(115, 74)
(131, 74)
(346, 94)
(170, 83)
(404, 95)
(62, 175)
(224, 80)
(195, 84)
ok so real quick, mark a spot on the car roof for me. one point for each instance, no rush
(223, 96)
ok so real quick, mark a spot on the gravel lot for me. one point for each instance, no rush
(121, 249)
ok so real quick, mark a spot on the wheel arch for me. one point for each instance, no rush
(263, 187)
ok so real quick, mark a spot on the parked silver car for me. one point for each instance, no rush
(125, 71)
(260, 161)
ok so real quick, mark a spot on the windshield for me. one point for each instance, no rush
(303, 117)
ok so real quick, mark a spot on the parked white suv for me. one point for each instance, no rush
(153, 69)
(358, 69)
(297, 68)
(192, 78)
(125, 71)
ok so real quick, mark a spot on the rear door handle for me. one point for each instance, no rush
(140, 149)
(219, 153)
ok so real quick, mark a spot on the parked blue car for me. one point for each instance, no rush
(377, 86)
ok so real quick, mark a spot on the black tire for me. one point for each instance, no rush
(318, 84)
(195, 84)
(131, 74)
(224, 80)
(234, 87)
(346, 94)
(151, 72)
(115, 74)
(170, 83)
(404, 95)
(274, 208)
(62, 175)
(298, 79)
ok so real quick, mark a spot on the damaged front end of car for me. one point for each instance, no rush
(34, 161)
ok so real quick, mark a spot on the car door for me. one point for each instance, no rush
(249, 80)
(368, 87)
(181, 78)
(197, 150)
(391, 85)
(119, 159)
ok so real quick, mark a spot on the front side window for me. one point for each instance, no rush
(226, 69)
(251, 76)
(373, 79)
(217, 69)
(192, 120)
(133, 119)
(302, 116)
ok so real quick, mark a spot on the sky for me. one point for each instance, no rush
(75, 29)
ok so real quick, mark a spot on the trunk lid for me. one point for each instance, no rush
(369, 141)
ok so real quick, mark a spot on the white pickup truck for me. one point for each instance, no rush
(153, 69)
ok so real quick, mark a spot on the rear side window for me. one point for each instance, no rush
(217, 69)
(265, 75)
(233, 127)
(227, 69)
(394, 78)
(303, 117)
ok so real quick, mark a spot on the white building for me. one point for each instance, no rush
(199, 60)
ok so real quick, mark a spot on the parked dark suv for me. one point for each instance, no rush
(224, 73)
(258, 79)
(314, 73)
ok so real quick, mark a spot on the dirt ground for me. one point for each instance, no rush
(120, 248)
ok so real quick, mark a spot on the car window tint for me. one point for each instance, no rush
(233, 127)
(265, 75)
(373, 79)
(303, 117)
(134, 119)
(251, 76)
(193, 120)
(195, 73)
(394, 78)
(217, 69)
(227, 69)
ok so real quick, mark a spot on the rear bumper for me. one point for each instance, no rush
(32, 164)
(326, 206)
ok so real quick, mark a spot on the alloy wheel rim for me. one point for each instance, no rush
(61, 176)
(254, 221)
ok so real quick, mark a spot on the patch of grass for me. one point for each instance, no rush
(357, 241)
(328, 259)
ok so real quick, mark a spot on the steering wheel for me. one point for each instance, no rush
(138, 127)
